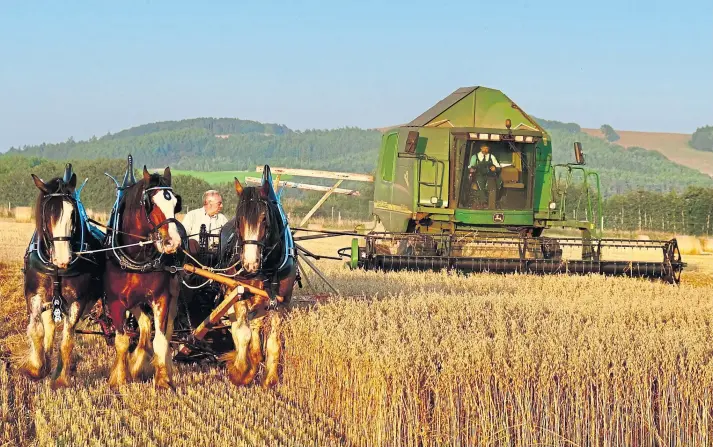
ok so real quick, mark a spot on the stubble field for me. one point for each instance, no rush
(407, 359)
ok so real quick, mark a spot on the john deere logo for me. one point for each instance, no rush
(498, 217)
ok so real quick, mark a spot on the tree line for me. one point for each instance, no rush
(687, 211)
(99, 194)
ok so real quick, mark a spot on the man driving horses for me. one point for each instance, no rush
(209, 215)
(484, 169)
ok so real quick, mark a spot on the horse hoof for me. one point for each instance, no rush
(269, 383)
(237, 375)
(164, 384)
(34, 372)
(61, 382)
(116, 380)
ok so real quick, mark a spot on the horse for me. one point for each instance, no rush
(57, 271)
(261, 253)
(141, 273)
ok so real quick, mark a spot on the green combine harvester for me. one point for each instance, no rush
(470, 186)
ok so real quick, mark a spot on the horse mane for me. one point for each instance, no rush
(53, 208)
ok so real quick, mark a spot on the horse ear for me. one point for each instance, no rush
(238, 187)
(265, 190)
(167, 174)
(147, 176)
(73, 181)
(40, 184)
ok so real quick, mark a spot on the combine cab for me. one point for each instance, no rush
(469, 185)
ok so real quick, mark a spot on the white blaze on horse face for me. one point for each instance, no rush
(168, 207)
(62, 252)
(251, 261)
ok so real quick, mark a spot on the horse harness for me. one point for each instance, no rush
(275, 239)
(38, 257)
(155, 264)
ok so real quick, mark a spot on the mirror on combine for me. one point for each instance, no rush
(411, 142)
(578, 154)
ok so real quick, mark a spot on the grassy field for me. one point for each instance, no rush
(408, 359)
(221, 177)
(673, 146)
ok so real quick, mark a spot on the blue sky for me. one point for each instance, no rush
(71, 68)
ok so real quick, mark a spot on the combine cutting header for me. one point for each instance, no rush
(470, 185)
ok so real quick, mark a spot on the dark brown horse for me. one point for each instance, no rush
(59, 283)
(261, 247)
(144, 275)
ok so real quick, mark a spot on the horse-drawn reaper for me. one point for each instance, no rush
(138, 276)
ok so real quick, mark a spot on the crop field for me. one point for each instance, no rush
(673, 146)
(407, 359)
(222, 177)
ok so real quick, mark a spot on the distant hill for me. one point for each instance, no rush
(216, 126)
(229, 144)
(212, 144)
(673, 146)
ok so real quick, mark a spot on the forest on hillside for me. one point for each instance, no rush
(195, 145)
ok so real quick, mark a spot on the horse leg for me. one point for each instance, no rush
(164, 310)
(60, 377)
(121, 343)
(254, 350)
(238, 364)
(48, 341)
(274, 350)
(36, 365)
(274, 343)
(141, 367)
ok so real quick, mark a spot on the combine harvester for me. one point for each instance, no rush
(440, 211)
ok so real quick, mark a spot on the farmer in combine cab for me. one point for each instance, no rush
(209, 215)
(484, 169)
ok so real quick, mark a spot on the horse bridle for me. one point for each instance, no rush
(147, 205)
(49, 242)
(240, 243)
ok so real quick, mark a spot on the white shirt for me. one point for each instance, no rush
(194, 219)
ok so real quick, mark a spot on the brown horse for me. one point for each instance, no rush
(262, 250)
(141, 275)
(58, 282)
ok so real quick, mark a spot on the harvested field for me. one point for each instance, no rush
(673, 146)
(408, 359)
